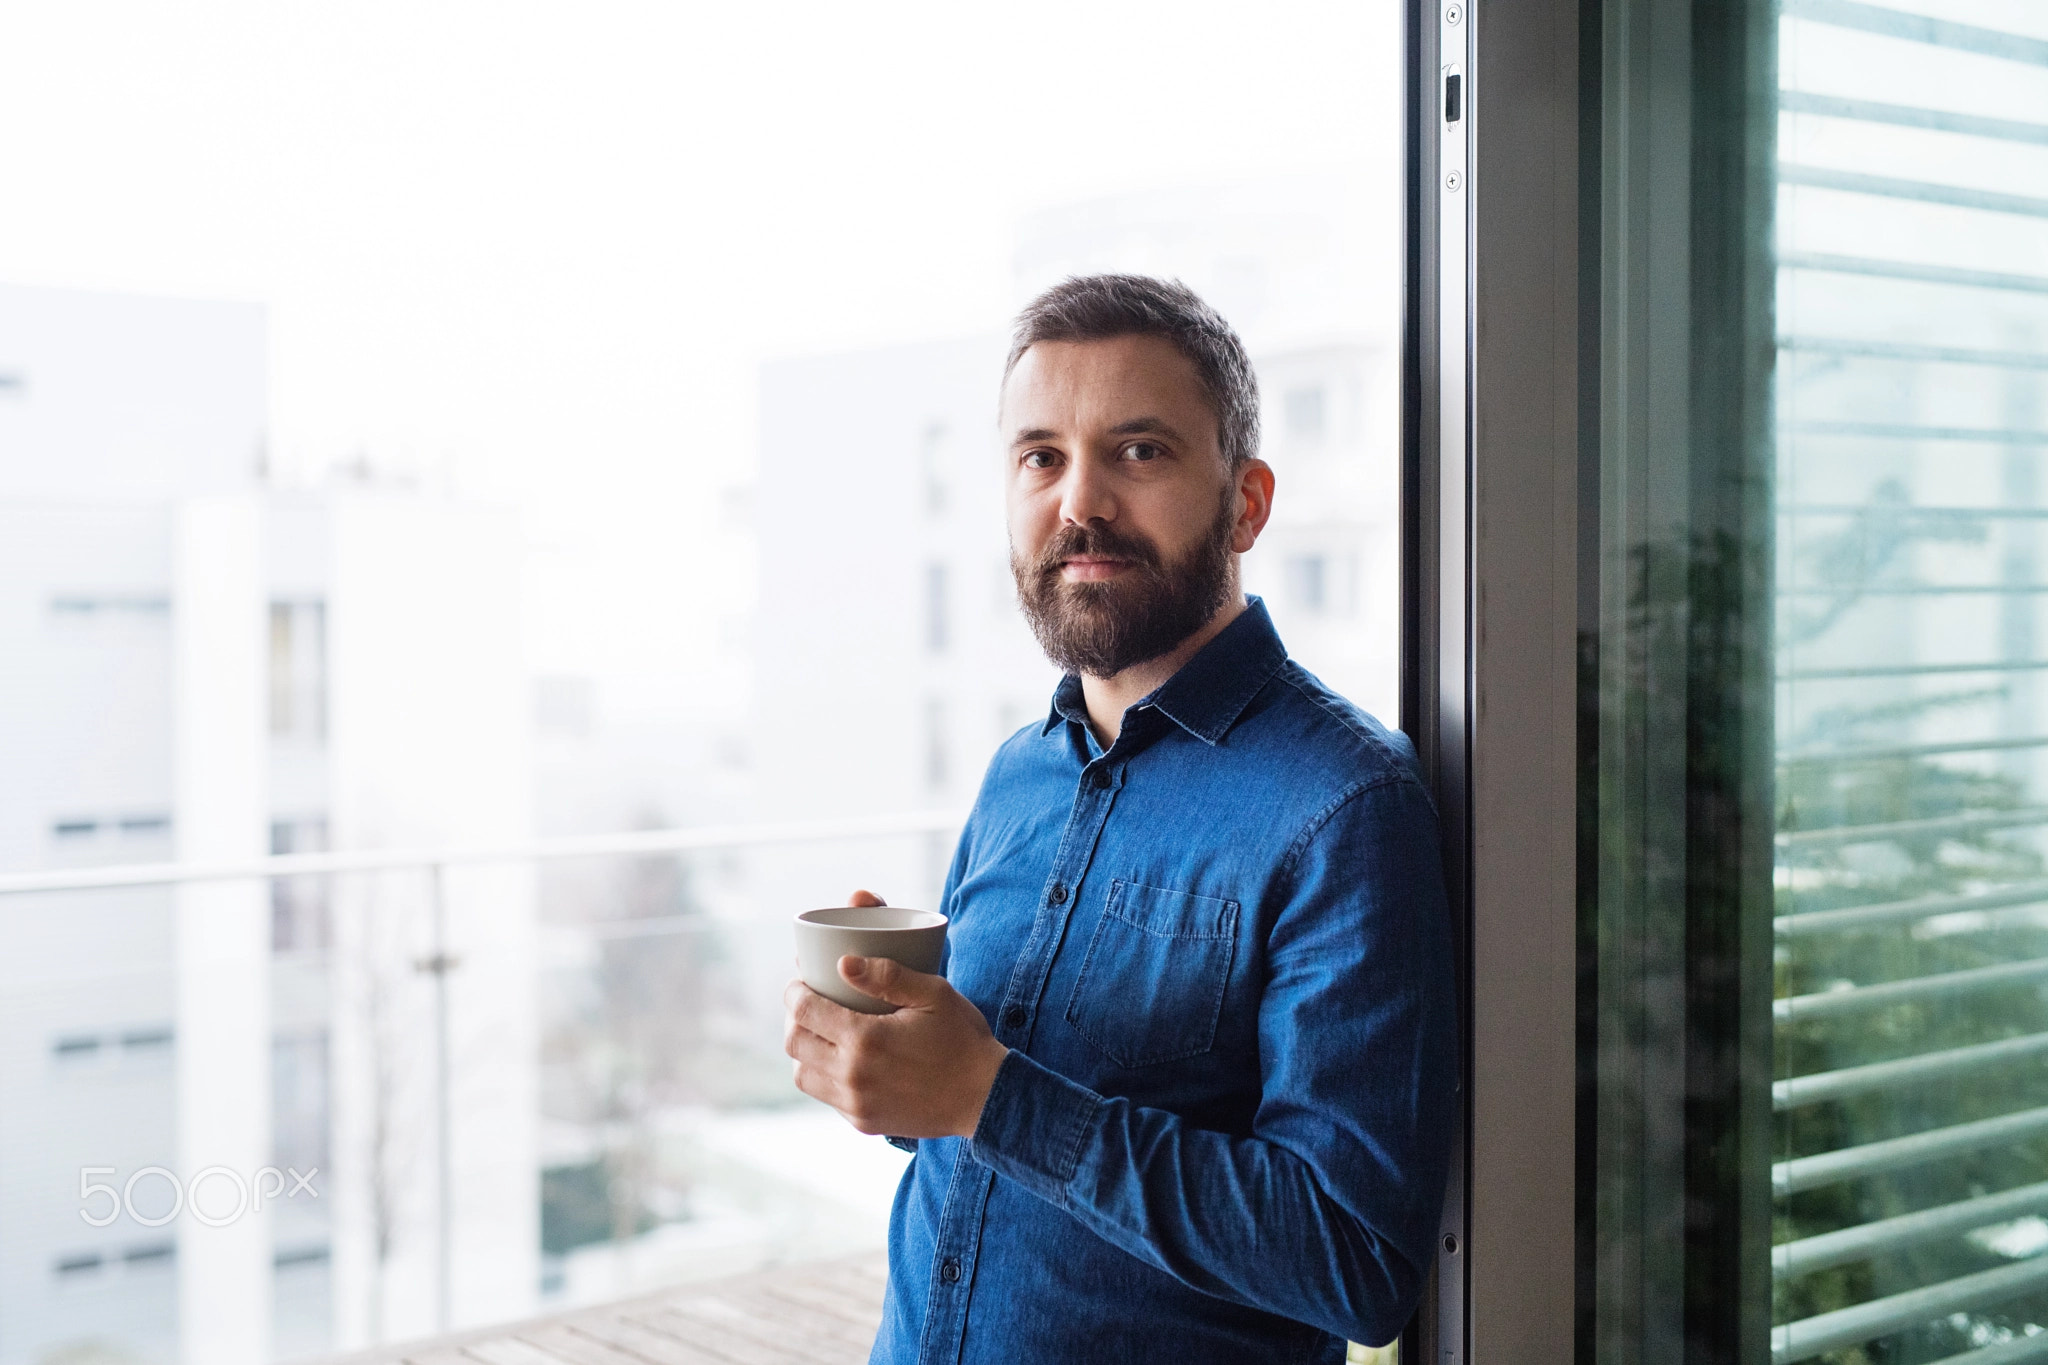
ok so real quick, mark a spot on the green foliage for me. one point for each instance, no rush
(578, 1207)
(1897, 867)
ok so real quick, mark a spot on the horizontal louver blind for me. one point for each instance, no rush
(1911, 1103)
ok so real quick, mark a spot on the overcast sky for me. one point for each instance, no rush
(541, 249)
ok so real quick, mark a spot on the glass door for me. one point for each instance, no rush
(1909, 1172)
(1813, 788)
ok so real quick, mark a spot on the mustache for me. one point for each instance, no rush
(1095, 539)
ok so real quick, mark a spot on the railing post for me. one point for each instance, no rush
(438, 964)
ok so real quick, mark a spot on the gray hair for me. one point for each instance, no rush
(1098, 307)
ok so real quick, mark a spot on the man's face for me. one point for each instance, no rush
(1123, 516)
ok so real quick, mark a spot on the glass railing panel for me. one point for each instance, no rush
(490, 1089)
(672, 1145)
(88, 1008)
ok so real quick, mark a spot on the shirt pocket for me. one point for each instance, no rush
(1151, 987)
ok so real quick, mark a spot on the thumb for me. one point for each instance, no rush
(889, 980)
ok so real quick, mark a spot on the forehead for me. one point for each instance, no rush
(1073, 386)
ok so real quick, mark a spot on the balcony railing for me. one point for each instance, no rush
(637, 842)
(845, 1283)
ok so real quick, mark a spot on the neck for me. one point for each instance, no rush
(1108, 698)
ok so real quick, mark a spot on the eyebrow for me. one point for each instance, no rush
(1134, 427)
(1139, 425)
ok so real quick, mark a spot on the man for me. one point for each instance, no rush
(1184, 1092)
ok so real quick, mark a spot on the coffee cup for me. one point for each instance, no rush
(915, 938)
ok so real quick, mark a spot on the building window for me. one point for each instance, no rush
(298, 671)
(137, 1044)
(1308, 587)
(935, 619)
(86, 606)
(299, 1100)
(932, 460)
(564, 704)
(299, 909)
(936, 764)
(129, 837)
(1305, 414)
(1319, 584)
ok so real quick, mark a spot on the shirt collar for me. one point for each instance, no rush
(1211, 690)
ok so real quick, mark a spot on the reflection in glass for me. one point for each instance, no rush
(1910, 1162)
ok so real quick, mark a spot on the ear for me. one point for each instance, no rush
(1254, 504)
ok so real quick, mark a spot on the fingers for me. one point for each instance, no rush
(800, 1044)
(806, 1048)
(792, 1030)
(865, 898)
(813, 1058)
(889, 980)
(820, 1083)
(812, 1012)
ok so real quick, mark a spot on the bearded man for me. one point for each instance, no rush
(1184, 1090)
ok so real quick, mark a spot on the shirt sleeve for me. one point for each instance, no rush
(1326, 1213)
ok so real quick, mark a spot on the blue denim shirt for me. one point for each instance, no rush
(1220, 955)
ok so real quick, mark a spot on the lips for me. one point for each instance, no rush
(1080, 555)
(1093, 567)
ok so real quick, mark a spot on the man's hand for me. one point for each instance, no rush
(924, 1071)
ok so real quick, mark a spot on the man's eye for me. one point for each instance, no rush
(1142, 450)
(1039, 459)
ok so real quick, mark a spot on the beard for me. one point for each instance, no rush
(1103, 627)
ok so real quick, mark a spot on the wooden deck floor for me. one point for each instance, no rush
(821, 1314)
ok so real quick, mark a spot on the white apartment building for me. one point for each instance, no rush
(892, 658)
(196, 665)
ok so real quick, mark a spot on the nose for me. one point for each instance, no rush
(1086, 495)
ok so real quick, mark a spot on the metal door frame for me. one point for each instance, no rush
(1493, 340)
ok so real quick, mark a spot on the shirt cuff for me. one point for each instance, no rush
(1032, 1127)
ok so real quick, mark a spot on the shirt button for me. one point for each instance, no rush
(1014, 1017)
(1101, 779)
(949, 1270)
(1058, 894)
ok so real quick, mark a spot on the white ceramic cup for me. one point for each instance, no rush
(915, 938)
